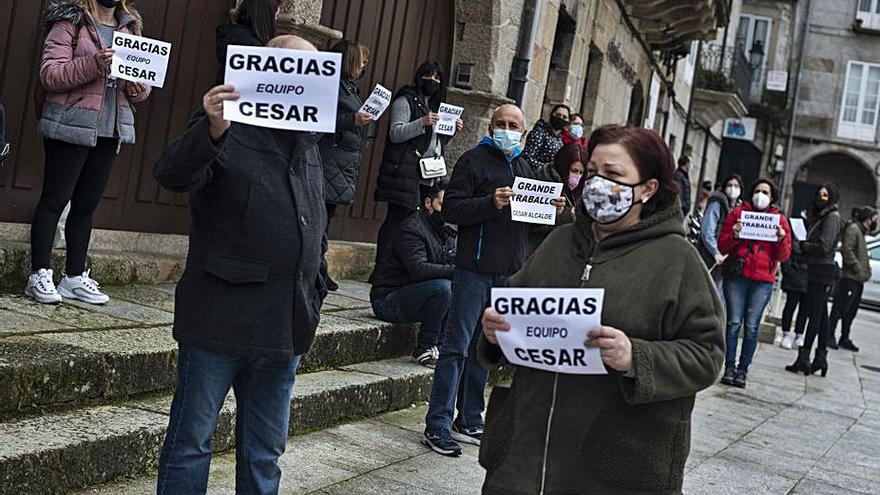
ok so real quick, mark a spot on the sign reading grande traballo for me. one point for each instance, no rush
(548, 328)
(377, 102)
(759, 226)
(283, 89)
(531, 202)
(139, 59)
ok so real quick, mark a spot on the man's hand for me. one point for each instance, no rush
(559, 203)
(492, 323)
(614, 346)
(430, 119)
(361, 119)
(502, 197)
(213, 104)
(104, 57)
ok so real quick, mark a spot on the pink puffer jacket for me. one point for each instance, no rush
(75, 83)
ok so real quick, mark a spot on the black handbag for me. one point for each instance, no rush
(734, 265)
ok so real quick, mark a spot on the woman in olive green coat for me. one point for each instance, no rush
(662, 340)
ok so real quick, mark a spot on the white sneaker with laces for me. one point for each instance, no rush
(41, 288)
(799, 340)
(83, 288)
(787, 340)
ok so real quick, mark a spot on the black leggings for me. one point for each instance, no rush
(846, 306)
(795, 301)
(817, 294)
(75, 174)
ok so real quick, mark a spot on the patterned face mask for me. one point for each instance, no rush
(606, 200)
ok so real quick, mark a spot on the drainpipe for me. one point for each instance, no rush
(792, 117)
(724, 41)
(519, 71)
(690, 111)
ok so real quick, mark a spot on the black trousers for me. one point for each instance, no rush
(846, 306)
(795, 301)
(75, 174)
(817, 294)
(390, 231)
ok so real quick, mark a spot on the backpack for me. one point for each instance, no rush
(39, 91)
(4, 146)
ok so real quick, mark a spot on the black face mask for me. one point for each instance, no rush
(109, 3)
(873, 227)
(820, 204)
(557, 123)
(436, 219)
(429, 87)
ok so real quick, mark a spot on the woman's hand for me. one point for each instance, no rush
(213, 104)
(459, 125)
(361, 119)
(614, 345)
(780, 233)
(737, 229)
(430, 119)
(720, 258)
(492, 323)
(104, 57)
(133, 89)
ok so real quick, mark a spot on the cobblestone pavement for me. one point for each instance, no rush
(784, 434)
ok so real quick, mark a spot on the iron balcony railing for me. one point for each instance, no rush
(727, 69)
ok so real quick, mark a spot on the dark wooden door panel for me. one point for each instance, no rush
(401, 34)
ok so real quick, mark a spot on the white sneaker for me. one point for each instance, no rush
(799, 341)
(41, 288)
(787, 340)
(83, 288)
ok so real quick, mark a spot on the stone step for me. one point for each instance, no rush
(121, 266)
(114, 358)
(60, 452)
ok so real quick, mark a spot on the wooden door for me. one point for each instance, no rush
(401, 34)
(132, 200)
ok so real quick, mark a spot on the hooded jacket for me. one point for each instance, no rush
(74, 82)
(609, 434)
(760, 258)
(856, 263)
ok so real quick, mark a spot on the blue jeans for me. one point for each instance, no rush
(746, 301)
(263, 388)
(458, 375)
(426, 302)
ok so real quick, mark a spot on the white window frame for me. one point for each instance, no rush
(857, 130)
(870, 18)
(750, 36)
(690, 65)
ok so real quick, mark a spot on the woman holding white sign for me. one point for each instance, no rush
(412, 140)
(749, 273)
(661, 339)
(86, 115)
(341, 152)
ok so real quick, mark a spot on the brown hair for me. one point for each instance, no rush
(774, 189)
(91, 7)
(567, 155)
(354, 55)
(651, 156)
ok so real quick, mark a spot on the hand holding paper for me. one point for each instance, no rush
(614, 345)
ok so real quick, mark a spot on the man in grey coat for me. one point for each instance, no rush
(856, 271)
(247, 305)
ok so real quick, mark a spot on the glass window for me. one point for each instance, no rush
(861, 99)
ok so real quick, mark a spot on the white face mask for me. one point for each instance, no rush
(606, 200)
(733, 192)
(761, 201)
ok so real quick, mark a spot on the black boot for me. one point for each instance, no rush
(727, 379)
(820, 362)
(739, 380)
(802, 364)
(832, 342)
(332, 286)
(848, 345)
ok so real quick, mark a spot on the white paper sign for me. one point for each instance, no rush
(377, 103)
(139, 59)
(531, 201)
(777, 80)
(449, 115)
(548, 328)
(798, 228)
(283, 89)
(759, 226)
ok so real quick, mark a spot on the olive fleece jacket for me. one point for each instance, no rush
(610, 434)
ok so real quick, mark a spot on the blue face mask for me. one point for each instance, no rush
(576, 130)
(506, 141)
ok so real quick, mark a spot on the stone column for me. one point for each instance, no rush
(302, 18)
(478, 106)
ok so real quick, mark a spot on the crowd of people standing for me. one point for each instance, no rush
(248, 304)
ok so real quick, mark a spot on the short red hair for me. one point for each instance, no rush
(651, 156)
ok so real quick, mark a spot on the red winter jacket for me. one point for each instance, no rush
(761, 257)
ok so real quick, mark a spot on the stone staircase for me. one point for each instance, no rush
(85, 391)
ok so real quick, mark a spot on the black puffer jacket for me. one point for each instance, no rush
(341, 152)
(794, 272)
(423, 252)
(232, 34)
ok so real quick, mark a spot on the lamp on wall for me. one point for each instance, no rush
(756, 54)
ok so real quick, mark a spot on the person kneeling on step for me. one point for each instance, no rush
(414, 284)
